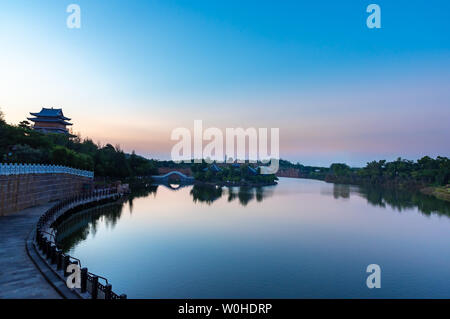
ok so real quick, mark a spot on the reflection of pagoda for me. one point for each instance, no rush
(50, 121)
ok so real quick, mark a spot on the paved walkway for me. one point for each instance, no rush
(19, 277)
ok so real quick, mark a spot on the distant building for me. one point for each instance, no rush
(215, 168)
(50, 121)
(252, 170)
(265, 170)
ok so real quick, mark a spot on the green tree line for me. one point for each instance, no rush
(424, 171)
(229, 174)
(20, 144)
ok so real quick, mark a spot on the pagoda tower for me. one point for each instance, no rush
(50, 121)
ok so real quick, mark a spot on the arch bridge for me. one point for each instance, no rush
(173, 175)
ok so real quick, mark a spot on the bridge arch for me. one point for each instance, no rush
(165, 178)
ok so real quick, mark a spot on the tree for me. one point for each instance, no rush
(2, 117)
(375, 168)
(340, 169)
(25, 125)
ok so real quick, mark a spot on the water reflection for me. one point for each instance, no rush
(292, 237)
(139, 192)
(401, 200)
(205, 194)
(209, 194)
(396, 199)
(78, 227)
(341, 191)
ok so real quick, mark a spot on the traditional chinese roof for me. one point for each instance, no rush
(51, 130)
(45, 121)
(252, 170)
(52, 113)
(215, 168)
(49, 120)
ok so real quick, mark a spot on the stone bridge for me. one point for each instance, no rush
(173, 175)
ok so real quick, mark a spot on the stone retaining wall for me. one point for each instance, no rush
(18, 192)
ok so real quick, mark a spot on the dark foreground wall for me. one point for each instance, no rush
(18, 192)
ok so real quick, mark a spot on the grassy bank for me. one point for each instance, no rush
(442, 192)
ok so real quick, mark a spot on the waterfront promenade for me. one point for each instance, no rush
(19, 277)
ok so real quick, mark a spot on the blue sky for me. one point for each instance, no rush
(337, 90)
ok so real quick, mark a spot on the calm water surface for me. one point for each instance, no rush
(299, 239)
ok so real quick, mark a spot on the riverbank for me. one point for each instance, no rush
(442, 193)
(428, 175)
(439, 192)
(235, 184)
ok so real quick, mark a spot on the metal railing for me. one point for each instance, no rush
(22, 169)
(45, 241)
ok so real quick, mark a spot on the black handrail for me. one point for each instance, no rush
(56, 256)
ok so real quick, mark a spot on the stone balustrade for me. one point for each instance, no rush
(23, 169)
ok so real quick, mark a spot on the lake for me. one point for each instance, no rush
(298, 239)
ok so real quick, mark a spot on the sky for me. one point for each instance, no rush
(135, 70)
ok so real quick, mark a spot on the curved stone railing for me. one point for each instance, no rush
(21, 169)
(59, 261)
